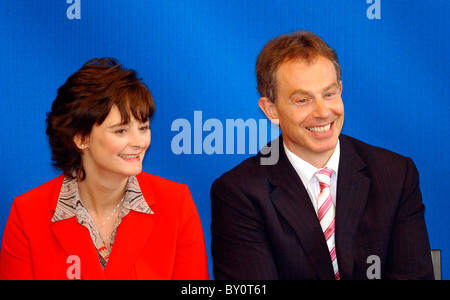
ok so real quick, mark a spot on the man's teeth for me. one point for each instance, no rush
(128, 156)
(320, 129)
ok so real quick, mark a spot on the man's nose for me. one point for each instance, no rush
(320, 109)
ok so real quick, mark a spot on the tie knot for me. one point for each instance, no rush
(324, 177)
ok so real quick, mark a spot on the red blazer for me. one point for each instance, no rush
(168, 244)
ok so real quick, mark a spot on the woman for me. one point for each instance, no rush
(103, 218)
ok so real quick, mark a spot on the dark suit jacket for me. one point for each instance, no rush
(264, 225)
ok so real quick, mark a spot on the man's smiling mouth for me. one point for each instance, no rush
(320, 129)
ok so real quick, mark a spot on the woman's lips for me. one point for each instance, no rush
(129, 156)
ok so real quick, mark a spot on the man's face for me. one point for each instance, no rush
(309, 108)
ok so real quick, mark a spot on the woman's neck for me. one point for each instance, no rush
(100, 195)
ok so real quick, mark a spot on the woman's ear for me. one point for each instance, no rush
(270, 110)
(80, 142)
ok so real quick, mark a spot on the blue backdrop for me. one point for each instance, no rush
(198, 59)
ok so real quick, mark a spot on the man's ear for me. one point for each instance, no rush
(270, 110)
(80, 141)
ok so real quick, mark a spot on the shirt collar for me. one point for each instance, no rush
(306, 171)
(69, 202)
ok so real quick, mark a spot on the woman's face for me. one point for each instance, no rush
(115, 149)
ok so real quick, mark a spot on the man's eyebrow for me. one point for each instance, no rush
(299, 92)
(304, 92)
(331, 86)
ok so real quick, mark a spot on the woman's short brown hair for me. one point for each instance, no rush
(86, 99)
(296, 45)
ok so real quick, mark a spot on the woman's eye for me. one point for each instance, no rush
(120, 131)
(144, 127)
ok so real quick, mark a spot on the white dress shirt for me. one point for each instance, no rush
(306, 173)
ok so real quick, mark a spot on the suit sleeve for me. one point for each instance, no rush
(191, 262)
(15, 258)
(409, 252)
(240, 248)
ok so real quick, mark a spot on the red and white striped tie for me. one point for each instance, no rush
(326, 214)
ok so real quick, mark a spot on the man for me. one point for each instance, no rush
(331, 207)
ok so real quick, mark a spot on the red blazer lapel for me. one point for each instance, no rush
(75, 240)
(132, 235)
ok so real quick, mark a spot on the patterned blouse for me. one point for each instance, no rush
(69, 205)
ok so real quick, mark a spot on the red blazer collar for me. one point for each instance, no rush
(132, 235)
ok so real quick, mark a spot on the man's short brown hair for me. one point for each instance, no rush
(296, 45)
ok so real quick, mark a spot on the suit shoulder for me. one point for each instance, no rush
(365, 149)
(44, 191)
(251, 167)
(160, 184)
(38, 201)
(144, 176)
(377, 158)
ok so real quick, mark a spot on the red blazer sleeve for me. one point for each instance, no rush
(15, 257)
(190, 261)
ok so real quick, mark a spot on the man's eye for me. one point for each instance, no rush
(301, 100)
(330, 95)
(144, 128)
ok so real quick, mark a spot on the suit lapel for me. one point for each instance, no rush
(75, 240)
(132, 235)
(292, 201)
(352, 192)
